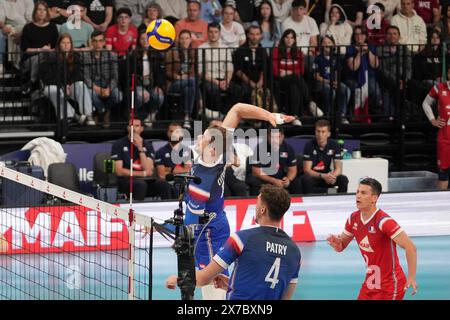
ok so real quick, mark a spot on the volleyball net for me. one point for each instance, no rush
(71, 245)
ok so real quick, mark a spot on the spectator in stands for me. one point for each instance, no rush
(122, 37)
(14, 15)
(39, 36)
(144, 182)
(305, 27)
(444, 26)
(412, 28)
(270, 26)
(429, 10)
(215, 67)
(362, 63)
(149, 93)
(181, 62)
(101, 77)
(395, 69)
(376, 26)
(318, 155)
(281, 9)
(173, 157)
(317, 10)
(288, 70)
(232, 33)
(99, 14)
(337, 27)
(327, 69)
(250, 61)
(278, 168)
(80, 31)
(58, 10)
(152, 12)
(62, 69)
(193, 23)
(173, 8)
(245, 11)
(135, 7)
(428, 69)
(389, 7)
(211, 11)
(354, 10)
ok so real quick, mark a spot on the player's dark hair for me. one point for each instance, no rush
(323, 123)
(373, 184)
(277, 200)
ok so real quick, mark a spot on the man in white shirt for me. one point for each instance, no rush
(304, 26)
(413, 29)
(215, 67)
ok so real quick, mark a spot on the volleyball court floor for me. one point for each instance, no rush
(324, 275)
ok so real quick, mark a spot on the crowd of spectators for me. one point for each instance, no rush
(318, 56)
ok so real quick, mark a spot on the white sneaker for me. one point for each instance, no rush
(81, 118)
(344, 120)
(90, 121)
(211, 114)
(315, 110)
(296, 122)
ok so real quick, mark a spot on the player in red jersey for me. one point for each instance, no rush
(377, 235)
(441, 93)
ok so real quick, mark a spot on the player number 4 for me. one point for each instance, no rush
(275, 270)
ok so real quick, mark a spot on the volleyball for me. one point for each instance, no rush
(161, 34)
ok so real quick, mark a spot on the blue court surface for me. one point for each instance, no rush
(324, 275)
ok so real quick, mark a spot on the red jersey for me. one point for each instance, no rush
(385, 278)
(441, 93)
(424, 8)
(287, 63)
(121, 42)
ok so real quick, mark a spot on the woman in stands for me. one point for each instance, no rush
(38, 38)
(62, 70)
(288, 69)
(152, 12)
(338, 27)
(270, 26)
(148, 66)
(180, 72)
(232, 33)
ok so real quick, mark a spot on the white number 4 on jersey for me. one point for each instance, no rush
(275, 270)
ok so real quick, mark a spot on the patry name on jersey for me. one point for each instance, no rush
(276, 248)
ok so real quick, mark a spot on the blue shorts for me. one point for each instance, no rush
(211, 240)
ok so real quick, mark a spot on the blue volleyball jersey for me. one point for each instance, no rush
(206, 197)
(266, 261)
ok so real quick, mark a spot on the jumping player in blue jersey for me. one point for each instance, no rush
(207, 197)
(266, 260)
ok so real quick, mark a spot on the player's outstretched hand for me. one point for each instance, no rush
(335, 242)
(278, 118)
(221, 282)
(171, 282)
(412, 283)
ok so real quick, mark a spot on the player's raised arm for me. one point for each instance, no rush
(247, 111)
